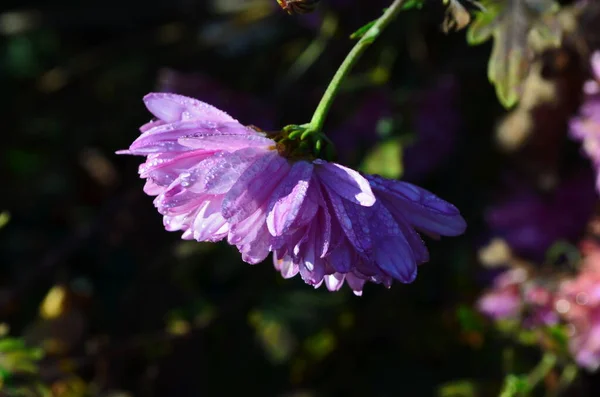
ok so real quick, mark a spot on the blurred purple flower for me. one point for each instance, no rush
(359, 130)
(215, 178)
(436, 124)
(586, 127)
(531, 221)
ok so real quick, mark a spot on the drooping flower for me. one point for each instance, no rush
(215, 178)
(586, 126)
(579, 303)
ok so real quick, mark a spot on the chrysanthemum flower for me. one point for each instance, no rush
(586, 127)
(215, 178)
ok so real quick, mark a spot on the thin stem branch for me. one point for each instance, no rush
(541, 370)
(318, 119)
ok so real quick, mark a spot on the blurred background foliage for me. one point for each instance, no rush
(97, 299)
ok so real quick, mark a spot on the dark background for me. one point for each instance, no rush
(148, 314)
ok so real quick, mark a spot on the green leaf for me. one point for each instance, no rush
(385, 159)
(514, 25)
(360, 32)
(514, 386)
(410, 4)
(559, 335)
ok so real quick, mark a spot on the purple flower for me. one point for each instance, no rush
(215, 178)
(531, 221)
(586, 127)
(436, 124)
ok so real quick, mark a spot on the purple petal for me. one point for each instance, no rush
(173, 107)
(209, 224)
(254, 187)
(285, 265)
(258, 249)
(220, 172)
(334, 282)
(355, 283)
(394, 256)
(353, 222)
(346, 182)
(288, 198)
(341, 258)
(420, 208)
(198, 134)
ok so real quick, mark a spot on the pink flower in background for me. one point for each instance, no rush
(540, 301)
(516, 295)
(504, 301)
(215, 178)
(586, 127)
(579, 303)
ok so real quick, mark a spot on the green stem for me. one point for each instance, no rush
(541, 370)
(569, 374)
(318, 119)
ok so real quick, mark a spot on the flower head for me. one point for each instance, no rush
(215, 178)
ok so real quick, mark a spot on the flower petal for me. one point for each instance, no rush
(421, 208)
(254, 187)
(173, 107)
(288, 198)
(346, 182)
